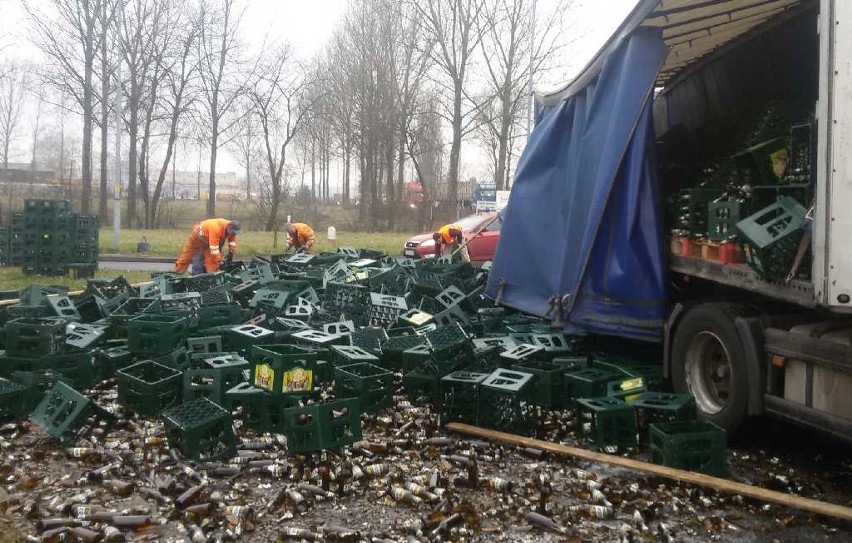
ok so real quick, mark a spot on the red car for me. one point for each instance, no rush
(481, 248)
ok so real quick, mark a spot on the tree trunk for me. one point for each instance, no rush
(88, 96)
(102, 194)
(346, 159)
(455, 148)
(132, 157)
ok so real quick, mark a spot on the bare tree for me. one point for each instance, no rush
(452, 25)
(66, 34)
(245, 142)
(514, 48)
(106, 20)
(221, 83)
(282, 106)
(178, 95)
(13, 83)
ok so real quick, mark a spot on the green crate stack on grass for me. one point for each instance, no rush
(148, 388)
(4, 245)
(606, 422)
(505, 402)
(697, 445)
(201, 430)
(459, 400)
(16, 239)
(371, 385)
(322, 426)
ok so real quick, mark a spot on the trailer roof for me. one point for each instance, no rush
(692, 30)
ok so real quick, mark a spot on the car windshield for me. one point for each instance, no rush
(471, 221)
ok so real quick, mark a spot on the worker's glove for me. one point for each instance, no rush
(230, 258)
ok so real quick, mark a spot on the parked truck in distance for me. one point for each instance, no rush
(484, 197)
(696, 175)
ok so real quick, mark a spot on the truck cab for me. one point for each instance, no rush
(697, 169)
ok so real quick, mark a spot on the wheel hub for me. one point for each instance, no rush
(708, 372)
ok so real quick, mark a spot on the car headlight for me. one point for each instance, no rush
(428, 243)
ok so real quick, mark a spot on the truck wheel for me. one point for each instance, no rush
(708, 361)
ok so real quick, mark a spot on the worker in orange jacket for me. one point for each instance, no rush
(209, 237)
(452, 236)
(301, 236)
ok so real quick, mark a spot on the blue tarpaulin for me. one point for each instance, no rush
(583, 238)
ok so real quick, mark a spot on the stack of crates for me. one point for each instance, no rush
(48, 239)
(4, 245)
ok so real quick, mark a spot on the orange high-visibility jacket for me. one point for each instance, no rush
(449, 233)
(304, 234)
(213, 232)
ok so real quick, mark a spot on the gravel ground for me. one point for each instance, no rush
(406, 481)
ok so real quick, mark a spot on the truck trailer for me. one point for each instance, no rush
(690, 189)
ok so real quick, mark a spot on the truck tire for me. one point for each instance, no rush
(708, 362)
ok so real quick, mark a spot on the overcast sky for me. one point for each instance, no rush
(307, 25)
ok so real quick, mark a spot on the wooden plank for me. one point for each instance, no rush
(723, 485)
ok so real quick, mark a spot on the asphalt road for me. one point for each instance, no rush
(118, 262)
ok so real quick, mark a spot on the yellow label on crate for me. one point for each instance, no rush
(419, 318)
(298, 380)
(358, 276)
(630, 384)
(264, 376)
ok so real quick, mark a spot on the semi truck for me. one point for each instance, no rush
(670, 114)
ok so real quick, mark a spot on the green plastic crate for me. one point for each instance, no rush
(505, 402)
(460, 397)
(108, 361)
(394, 347)
(34, 336)
(322, 426)
(152, 334)
(178, 359)
(283, 369)
(241, 339)
(697, 445)
(148, 388)
(343, 355)
(770, 238)
(63, 307)
(67, 415)
(606, 422)
(370, 384)
(213, 376)
(415, 357)
(550, 387)
(201, 430)
(84, 336)
(37, 384)
(204, 345)
(422, 383)
(12, 401)
(659, 407)
(588, 383)
(210, 316)
(450, 343)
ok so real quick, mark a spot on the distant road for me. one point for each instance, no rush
(144, 263)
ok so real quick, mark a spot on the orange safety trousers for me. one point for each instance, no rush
(194, 245)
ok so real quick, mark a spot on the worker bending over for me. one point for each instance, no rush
(452, 236)
(301, 237)
(208, 237)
